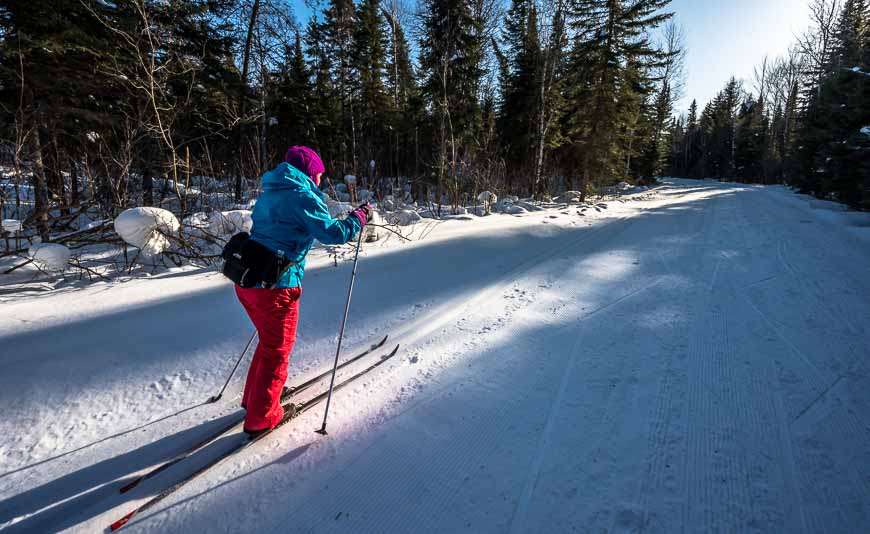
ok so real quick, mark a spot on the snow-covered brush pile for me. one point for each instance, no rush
(223, 223)
(11, 225)
(146, 228)
(404, 217)
(342, 193)
(51, 257)
(512, 205)
(569, 197)
(337, 209)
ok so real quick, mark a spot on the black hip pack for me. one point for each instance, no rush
(249, 264)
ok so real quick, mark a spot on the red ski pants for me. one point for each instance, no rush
(274, 313)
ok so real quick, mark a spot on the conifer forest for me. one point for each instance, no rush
(184, 104)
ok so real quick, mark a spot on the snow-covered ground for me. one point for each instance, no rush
(693, 359)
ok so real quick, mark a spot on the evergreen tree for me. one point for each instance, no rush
(53, 92)
(750, 142)
(369, 59)
(718, 127)
(406, 106)
(337, 31)
(830, 160)
(291, 103)
(451, 48)
(609, 81)
(849, 34)
(325, 109)
(518, 107)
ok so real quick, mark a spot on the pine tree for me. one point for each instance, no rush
(658, 120)
(450, 58)
(830, 158)
(750, 142)
(291, 105)
(407, 106)
(610, 62)
(718, 127)
(54, 55)
(518, 106)
(369, 60)
(337, 31)
(325, 109)
(849, 34)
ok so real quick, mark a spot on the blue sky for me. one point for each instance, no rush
(724, 38)
(730, 37)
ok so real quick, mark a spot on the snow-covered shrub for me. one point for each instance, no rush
(364, 195)
(338, 210)
(169, 186)
(11, 225)
(350, 179)
(145, 227)
(197, 220)
(528, 206)
(512, 209)
(249, 205)
(49, 256)
(230, 222)
(568, 197)
(403, 217)
(342, 196)
(487, 198)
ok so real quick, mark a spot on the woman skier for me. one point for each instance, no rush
(288, 216)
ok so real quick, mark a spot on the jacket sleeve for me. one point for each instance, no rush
(315, 219)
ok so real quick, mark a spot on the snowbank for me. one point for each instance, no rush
(11, 225)
(230, 222)
(568, 197)
(338, 210)
(49, 256)
(364, 195)
(512, 209)
(403, 217)
(145, 227)
(819, 204)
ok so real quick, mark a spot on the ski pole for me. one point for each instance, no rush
(219, 395)
(341, 333)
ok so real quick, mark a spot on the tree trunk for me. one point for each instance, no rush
(73, 183)
(40, 188)
(147, 186)
(246, 62)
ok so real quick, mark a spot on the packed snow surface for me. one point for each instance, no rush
(690, 359)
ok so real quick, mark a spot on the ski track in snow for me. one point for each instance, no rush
(694, 362)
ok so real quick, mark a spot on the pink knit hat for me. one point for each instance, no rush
(306, 160)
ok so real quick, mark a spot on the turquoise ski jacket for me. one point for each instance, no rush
(290, 214)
